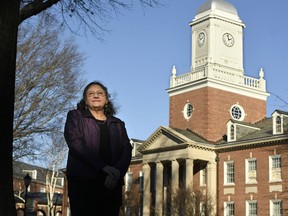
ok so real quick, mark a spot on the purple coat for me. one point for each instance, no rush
(83, 139)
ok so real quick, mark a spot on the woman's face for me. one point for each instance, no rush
(96, 98)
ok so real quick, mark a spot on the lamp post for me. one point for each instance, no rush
(27, 181)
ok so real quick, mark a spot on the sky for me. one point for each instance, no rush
(136, 57)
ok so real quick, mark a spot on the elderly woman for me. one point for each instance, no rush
(99, 154)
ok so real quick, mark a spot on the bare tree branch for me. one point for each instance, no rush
(48, 79)
(90, 16)
(33, 8)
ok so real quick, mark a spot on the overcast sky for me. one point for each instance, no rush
(137, 56)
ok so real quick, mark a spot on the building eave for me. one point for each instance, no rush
(252, 143)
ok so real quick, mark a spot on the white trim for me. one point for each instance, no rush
(226, 203)
(272, 205)
(187, 87)
(225, 173)
(248, 207)
(275, 128)
(248, 174)
(276, 172)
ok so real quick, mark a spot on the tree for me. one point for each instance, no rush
(12, 13)
(192, 203)
(132, 202)
(56, 152)
(48, 79)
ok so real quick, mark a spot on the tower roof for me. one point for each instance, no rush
(221, 5)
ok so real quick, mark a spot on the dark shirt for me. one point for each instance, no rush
(105, 144)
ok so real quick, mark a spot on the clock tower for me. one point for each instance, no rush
(217, 37)
(216, 89)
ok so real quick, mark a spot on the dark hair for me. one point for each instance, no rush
(109, 108)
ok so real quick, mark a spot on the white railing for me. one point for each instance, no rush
(233, 78)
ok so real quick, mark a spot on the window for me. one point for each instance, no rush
(128, 183)
(275, 168)
(278, 124)
(203, 174)
(203, 207)
(32, 173)
(251, 170)
(187, 111)
(251, 208)
(229, 209)
(275, 207)
(237, 112)
(232, 132)
(229, 172)
(42, 189)
(141, 181)
(60, 181)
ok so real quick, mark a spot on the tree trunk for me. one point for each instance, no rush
(9, 13)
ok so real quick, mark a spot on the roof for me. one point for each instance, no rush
(247, 135)
(218, 5)
(20, 169)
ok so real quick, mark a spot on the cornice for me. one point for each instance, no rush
(165, 149)
(218, 148)
(150, 140)
(259, 142)
(200, 20)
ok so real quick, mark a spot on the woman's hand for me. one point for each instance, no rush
(110, 182)
(112, 172)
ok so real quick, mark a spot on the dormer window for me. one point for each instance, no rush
(278, 125)
(231, 131)
(32, 173)
(280, 122)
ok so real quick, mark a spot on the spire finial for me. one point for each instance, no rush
(261, 73)
(174, 71)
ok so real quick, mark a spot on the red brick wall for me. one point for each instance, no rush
(211, 111)
(263, 195)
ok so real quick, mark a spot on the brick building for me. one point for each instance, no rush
(37, 190)
(219, 139)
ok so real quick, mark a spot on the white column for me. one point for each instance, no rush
(159, 188)
(212, 178)
(189, 173)
(146, 185)
(174, 175)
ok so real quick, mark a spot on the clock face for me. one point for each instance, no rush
(201, 39)
(228, 39)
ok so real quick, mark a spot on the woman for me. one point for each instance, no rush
(99, 154)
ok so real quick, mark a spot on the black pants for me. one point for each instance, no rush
(89, 197)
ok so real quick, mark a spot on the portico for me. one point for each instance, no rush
(172, 161)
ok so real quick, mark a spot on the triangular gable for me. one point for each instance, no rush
(164, 138)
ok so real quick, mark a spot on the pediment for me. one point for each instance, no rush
(162, 139)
